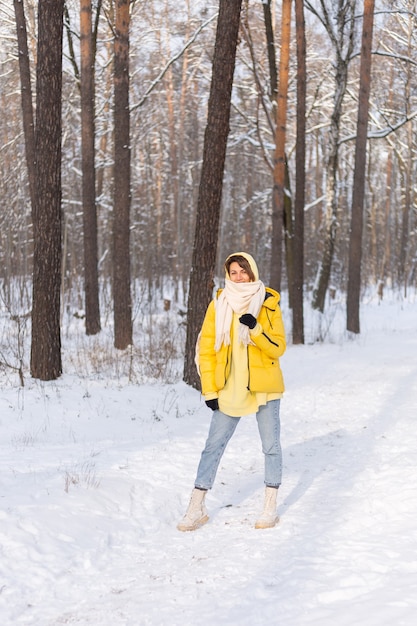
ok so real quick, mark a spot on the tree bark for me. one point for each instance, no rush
(26, 96)
(270, 43)
(92, 307)
(46, 338)
(279, 156)
(408, 175)
(298, 276)
(345, 19)
(287, 202)
(356, 225)
(211, 181)
(122, 194)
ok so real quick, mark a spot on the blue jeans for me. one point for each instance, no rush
(222, 428)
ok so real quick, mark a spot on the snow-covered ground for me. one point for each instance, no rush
(95, 474)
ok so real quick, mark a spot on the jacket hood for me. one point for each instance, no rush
(250, 260)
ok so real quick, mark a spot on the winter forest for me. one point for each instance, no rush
(141, 143)
(117, 198)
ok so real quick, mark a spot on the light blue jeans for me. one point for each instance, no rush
(222, 428)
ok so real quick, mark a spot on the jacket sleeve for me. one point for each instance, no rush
(269, 333)
(207, 355)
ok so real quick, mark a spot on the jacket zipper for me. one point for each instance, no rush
(226, 364)
(270, 340)
(247, 352)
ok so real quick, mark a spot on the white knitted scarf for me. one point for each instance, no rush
(237, 298)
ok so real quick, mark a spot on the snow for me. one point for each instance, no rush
(96, 473)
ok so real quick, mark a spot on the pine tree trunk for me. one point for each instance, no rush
(26, 94)
(279, 157)
(356, 225)
(211, 181)
(46, 338)
(287, 202)
(92, 308)
(343, 43)
(121, 218)
(269, 34)
(298, 277)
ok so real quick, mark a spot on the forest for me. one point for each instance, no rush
(321, 114)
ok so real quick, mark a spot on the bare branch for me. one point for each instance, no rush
(384, 132)
(391, 55)
(170, 62)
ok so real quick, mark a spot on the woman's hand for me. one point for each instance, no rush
(248, 320)
(213, 404)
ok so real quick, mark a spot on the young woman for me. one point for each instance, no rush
(239, 346)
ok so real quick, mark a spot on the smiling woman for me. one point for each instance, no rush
(240, 344)
(239, 269)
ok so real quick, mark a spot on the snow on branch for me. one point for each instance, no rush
(170, 62)
(383, 132)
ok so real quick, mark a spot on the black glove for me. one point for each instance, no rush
(248, 320)
(213, 404)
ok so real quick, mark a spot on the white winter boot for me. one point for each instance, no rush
(269, 516)
(196, 514)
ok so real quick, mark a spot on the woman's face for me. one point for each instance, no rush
(238, 274)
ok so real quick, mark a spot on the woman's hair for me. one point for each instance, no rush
(244, 264)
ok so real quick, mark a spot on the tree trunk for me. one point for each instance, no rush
(356, 226)
(345, 18)
(279, 157)
(121, 218)
(92, 307)
(269, 33)
(287, 202)
(46, 339)
(211, 181)
(26, 95)
(409, 179)
(288, 233)
(298, 277)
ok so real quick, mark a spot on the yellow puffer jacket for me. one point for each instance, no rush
(264, 373)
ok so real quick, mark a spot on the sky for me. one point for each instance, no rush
(96, 472)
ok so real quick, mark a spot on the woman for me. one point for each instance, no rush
(240, 343)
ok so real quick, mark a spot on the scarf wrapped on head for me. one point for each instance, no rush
(238, 298)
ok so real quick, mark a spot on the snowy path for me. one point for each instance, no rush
(94, 483)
